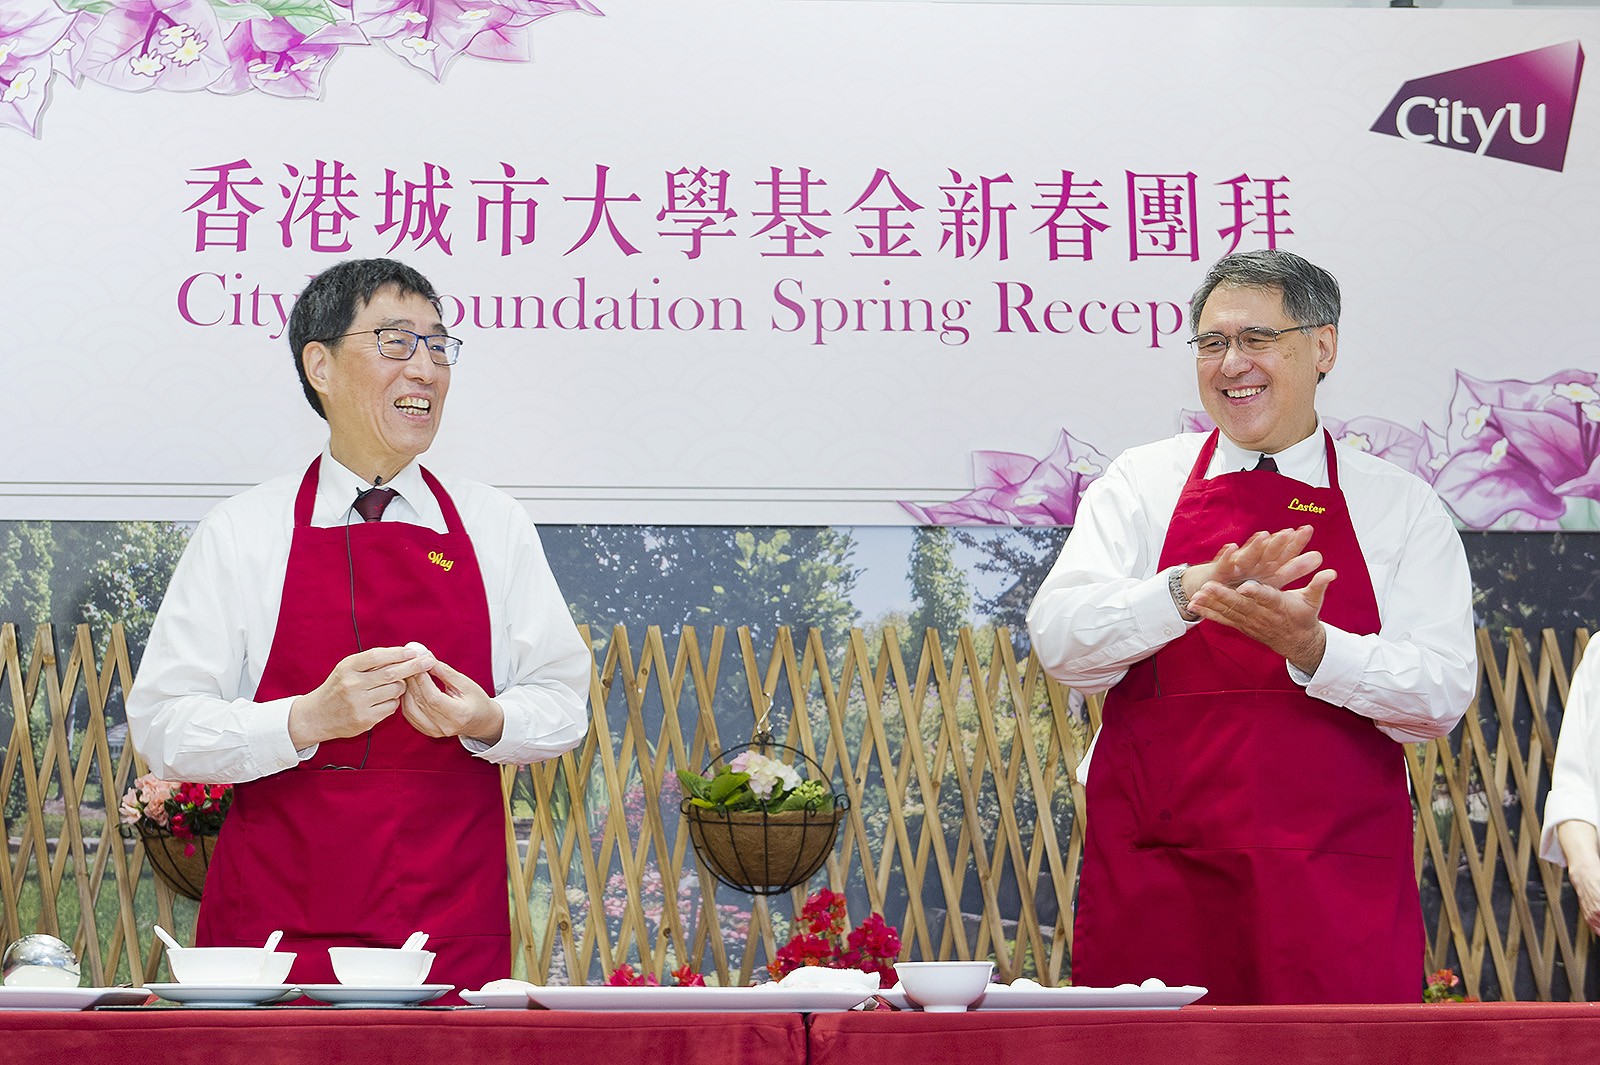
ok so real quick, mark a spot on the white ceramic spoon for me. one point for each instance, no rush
(166, 937)
(272, 941)
(415, 941)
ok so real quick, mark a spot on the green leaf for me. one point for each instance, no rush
(742, 798)
(318, 10)
(695, 784)
(240, 12)
(702, 803)
(726, 784)
(94, 7)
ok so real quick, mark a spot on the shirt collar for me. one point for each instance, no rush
(337, 486)
(1306, 461)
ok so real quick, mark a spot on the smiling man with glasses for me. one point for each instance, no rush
(1272, 614)
(359, 646)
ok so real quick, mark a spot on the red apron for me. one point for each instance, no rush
(1242, 835)
(414, 839)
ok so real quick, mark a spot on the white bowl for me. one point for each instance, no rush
(380, 966)
(229, 965)
(944, 986)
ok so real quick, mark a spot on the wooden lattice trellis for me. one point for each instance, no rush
(959, 761)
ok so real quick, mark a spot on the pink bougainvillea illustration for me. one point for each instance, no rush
(277, 47)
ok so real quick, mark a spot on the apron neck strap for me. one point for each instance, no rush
(1333, 463)
(447, 506)
(1203, 461)
(306, 498)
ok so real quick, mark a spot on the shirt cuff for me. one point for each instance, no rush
(1562, 806)
(1338, 673)
(268, 735)
(501, 751)
(1159, 620)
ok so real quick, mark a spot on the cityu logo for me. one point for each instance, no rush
(1518, 108)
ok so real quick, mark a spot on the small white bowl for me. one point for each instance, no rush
(944, 986)
(380, 966)
(229, 965)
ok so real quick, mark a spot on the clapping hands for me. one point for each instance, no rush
(1243, 588)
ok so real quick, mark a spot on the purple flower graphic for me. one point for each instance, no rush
(31, 34)
(428, 34)
(278, 58)
(1521, 448)
(279, 47)
(148, 44)
(1017, 489)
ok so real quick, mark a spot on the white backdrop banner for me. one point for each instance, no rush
(726, 262)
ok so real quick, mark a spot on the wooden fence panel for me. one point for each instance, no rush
(958, 758)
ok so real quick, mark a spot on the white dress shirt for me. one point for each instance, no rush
(1574, 792)
(192, 712)
(1105, 605)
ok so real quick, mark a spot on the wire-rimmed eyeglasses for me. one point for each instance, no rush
(401, 344)
(1256, 340)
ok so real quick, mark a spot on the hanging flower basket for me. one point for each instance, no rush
(178, 823)
(184, 873)
(756, 825)
(764, 853)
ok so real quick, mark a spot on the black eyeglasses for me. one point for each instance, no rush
(401, 344)
(1257, 340)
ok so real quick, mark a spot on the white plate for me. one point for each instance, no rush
(70, 998)
(766, 999)
(357, 995)
(1006, 997)
(514, 999)
(224, 995)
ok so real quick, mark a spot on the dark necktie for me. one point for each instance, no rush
(370, 504)
(1267, 463)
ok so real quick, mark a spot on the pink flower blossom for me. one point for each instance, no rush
(1521, 448)
(274, 56)
(429, 34)
(149, 44)
(31, 31)
(1013, 489)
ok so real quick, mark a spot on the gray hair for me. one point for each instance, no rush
(1310, 293)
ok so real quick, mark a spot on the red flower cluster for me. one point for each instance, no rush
(824, 913)
(186, 810)
(198, 809)
(1441, 987)
(872, 946)
(625, 975)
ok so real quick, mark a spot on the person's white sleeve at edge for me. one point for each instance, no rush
(1104, 605)
(1573, 791)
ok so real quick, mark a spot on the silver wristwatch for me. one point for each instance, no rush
(1180, 598)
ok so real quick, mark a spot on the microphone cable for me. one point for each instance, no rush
(355, 624)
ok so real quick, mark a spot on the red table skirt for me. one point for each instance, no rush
(1471, 1034)
(326, 1036)
(1512, 1033)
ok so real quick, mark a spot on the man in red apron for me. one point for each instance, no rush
(1271, 613)
(401, 639)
